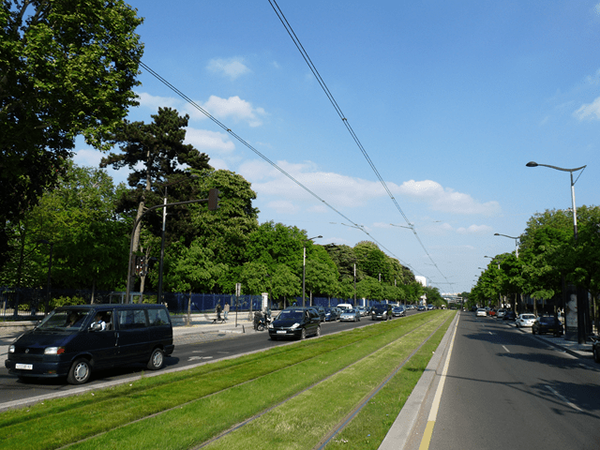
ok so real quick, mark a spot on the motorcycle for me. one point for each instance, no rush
(261, 322)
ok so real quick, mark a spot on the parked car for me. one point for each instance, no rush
(492, 313)
(74, 341)
(320, 311)
(525, 320)
(421, 308)
(500, 313)
(596, 347)
(547, 324)
(510, 315)
(332, 314)
(295, 322)
(481, 312)
(350, 315)
(398, 311)
(363, 311)
(380, 312)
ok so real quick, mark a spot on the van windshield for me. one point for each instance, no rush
(71, 320)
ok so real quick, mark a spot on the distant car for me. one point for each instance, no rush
(398, 311)
(362, 310)
(420, 308)
(492, 313)
(350, 315)
(481, 312)
(547, 324)
(430, 307)
(500, 313)
(509, 315)
(525, 320)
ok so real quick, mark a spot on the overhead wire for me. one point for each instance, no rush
(265, 158)
(346, 123)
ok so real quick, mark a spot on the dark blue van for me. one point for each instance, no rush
(73, 341)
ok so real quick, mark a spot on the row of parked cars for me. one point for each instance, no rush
(300, 322)
(539, 325)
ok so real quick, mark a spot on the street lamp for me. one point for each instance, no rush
(162, 239)
(152, 208)
(516, 242)
(534, 164)
(582, 311)
(304, 268)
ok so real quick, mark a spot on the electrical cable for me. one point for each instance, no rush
(338, 110)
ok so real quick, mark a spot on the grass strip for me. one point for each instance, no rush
(290, 366)
(301, 422)
(370, 426)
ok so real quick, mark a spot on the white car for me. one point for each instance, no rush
(525, 320)
(481, 312)
(350, 315)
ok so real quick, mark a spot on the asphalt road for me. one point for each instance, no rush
(186, 355)
(505, 388)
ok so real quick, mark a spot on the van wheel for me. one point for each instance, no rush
(318, 333)
(80, 372)
(157, 359)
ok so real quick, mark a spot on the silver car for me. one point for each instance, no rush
(525, 320)
(350, 315)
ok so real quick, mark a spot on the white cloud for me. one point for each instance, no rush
(446, 199)
(232, 108)
(475, 229)
(230, 67)
(87, 157)
(589, 111)
(337, 190)
(205, 140)
(283, 206)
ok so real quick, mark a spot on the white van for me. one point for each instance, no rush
(345, 306)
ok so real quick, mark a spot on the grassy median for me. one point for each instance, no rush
(288, 387)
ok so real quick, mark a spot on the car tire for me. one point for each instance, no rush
(80, 372)
(157, 359)
(303, 334)
(318, 333)
(532, 330)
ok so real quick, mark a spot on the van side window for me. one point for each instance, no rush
(131, 319)
(157, 317)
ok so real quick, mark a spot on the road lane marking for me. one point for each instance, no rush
(507, 350)
(437, 398)
(563, 399)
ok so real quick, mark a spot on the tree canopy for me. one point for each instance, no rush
(67, 68)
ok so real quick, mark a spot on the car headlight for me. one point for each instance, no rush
(54, 350)
(11, 349)
(296, 325)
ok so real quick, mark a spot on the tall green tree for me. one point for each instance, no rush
(78, 219)
(67, 68)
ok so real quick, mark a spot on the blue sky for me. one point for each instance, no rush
(449, 99)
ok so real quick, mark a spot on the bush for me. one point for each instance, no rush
(66, 301)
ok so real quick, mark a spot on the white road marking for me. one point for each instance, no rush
(563, 399)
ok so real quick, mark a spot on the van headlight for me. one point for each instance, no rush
(54, 350)
(11, 349)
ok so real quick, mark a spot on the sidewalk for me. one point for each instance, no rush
(203, 330)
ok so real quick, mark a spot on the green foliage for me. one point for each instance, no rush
(57, 302)
(68, 68)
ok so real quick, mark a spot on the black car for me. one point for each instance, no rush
(295, 322)
(510, 315)
(547, 324)
(381, 312)
(332, 314)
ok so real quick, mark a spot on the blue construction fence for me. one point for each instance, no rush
(29, 301)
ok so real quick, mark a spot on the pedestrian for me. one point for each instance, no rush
(219, 312)
(226, 311)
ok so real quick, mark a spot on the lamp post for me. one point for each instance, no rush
(304, 267)
(516, 242)
(162, 239)
(582, 311)
(139, 219)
